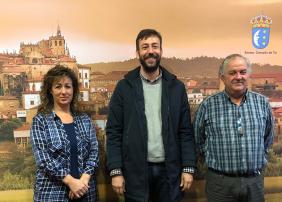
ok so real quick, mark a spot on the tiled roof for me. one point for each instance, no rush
(275, 100)
(110, 87)
(114, 75)
(8, 98)
(13, 69)
(100, 117)
(278, 110)
(266, 75)
(23, 127)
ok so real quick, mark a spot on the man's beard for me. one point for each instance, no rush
(148, 68)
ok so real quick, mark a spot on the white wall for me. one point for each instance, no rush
(28, 98)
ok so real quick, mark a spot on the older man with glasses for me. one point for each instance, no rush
(233, 131)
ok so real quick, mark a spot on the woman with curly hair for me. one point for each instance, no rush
(64, 142)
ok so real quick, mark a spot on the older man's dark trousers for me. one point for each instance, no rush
(223, 188)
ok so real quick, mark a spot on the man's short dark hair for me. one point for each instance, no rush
(145, 33)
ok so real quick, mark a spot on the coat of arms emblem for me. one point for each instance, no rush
(261, 31)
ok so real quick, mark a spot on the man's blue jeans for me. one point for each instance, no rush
(158, 183)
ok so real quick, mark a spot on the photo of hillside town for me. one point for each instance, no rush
(21, 76)
(97, 40)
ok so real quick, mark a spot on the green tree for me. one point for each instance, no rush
(20, 167)
(22, 161)
(277, 148)
(272, 157)
(193, 110)
(1, 91)
(28, 169)
(16, 160)
(11, 181)
(7, 129)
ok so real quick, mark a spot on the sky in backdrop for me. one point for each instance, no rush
(103, 31)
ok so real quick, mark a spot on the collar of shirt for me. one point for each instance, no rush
(154, 81)
(55, 117)
(243, 100)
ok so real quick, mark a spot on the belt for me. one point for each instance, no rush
(248, 174)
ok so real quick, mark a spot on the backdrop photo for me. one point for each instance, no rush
(97, 40)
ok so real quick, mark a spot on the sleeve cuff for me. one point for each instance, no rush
(115, 172)
(188, 169)
(62, 174)
(89, 171)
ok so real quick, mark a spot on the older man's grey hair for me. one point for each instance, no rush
(230, 58)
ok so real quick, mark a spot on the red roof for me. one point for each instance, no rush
(100, 117)
(13, 69)
(266, 75)
(23, 127)
(278, 110)
(110, 87)
(37, 79)
(97, 73)
(8, 98)
(67, 59)
(3, 116)
(203, 87)
(275, 99)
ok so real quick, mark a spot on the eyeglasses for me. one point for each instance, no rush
(240, 126)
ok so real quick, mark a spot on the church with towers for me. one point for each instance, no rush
(46, 51)
(21, 73)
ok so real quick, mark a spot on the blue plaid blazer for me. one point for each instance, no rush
(51, 149)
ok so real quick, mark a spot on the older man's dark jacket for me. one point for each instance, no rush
(127, 133)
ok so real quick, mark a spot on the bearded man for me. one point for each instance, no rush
(150, 141)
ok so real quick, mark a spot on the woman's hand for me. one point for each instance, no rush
(85, 178)
(77, 187)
